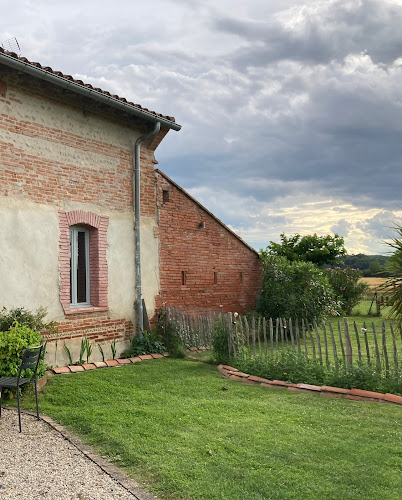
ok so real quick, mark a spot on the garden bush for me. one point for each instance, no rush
(220, 347)
(346, 286)
(12, 345)
(33, 320)
(295, 290)
(150, 343)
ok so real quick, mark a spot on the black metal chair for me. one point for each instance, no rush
(30, 360)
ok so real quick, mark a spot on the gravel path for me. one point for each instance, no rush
(40, 463)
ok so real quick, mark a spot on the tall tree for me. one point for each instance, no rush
(319, 250)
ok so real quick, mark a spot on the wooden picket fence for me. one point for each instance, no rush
(330, 342)
(193, 331)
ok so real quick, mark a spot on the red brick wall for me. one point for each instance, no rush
(45, 180)
(98, 327)
(219, 269)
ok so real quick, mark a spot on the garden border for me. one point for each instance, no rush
(335, 392)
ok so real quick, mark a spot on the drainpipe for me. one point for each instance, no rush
(137, 224)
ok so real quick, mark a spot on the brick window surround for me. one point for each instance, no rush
(98, 275)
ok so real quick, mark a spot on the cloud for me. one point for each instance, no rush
(291, 110)
(319, 32)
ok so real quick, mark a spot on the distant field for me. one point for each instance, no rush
(374, 283)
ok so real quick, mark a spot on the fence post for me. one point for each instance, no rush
(334, 346)
(271, 335)
(377, 352)
(247, 333)
(341, 343)
(359, 351)
(281, 328)
(325, 343)
(318, 341)
(366, 343)
(298, 336)
(384, 347)
(291, 333)
(276, 336)
(312, 341)
(395, 350)
(304, 337)
(349, 354)
(264, 331)
(241, 333)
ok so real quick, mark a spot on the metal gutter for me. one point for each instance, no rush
(60, 81)
(137, 226)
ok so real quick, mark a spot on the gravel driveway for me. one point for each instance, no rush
(43, 463)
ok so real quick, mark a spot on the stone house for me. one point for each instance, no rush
(68, 214)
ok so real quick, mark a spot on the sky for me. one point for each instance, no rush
(291, 111)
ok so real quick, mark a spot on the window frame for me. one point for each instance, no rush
(74, 230)
(97, 226)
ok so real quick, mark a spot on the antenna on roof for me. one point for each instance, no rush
(12, 45)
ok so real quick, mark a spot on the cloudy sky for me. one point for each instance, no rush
(291, 110)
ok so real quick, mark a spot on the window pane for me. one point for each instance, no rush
(81, 269)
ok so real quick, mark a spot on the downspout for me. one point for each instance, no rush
(137, 224)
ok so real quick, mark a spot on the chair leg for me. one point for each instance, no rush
(19, 409)
(36, 397)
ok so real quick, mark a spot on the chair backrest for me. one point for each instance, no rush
(30, 359)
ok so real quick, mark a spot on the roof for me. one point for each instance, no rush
(206, 210)
(35, 69)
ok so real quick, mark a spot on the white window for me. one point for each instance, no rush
(79, 266)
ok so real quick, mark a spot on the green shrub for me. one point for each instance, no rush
(289, 365)
(12, 345)
(348, 290)
(295, 290)
(33, 320)
(364, 376)
(150, 343)
(220, 347)
(295, 367)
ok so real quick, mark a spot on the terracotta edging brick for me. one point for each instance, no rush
(97, 364)
(325, 390)
(89, 366)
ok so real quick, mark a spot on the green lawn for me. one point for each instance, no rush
(170, 426)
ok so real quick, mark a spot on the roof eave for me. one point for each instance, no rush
(85, 91)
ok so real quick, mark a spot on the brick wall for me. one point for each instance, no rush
(202, 269)
(97, 327)
(53, 164)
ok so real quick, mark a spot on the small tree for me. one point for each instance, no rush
(393, 286)
(319, 250)
(295, 289)
(346, 286)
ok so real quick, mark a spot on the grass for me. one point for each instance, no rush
(170, 426)
(363, 308)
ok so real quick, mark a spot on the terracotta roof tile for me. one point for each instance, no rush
(48, 69)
